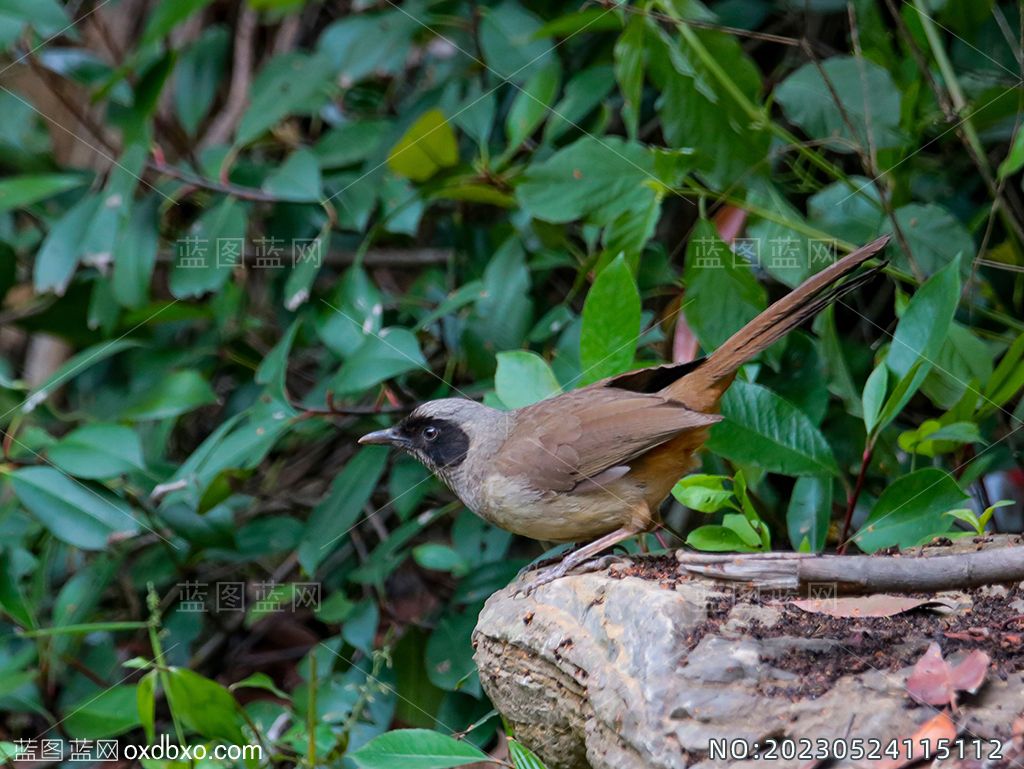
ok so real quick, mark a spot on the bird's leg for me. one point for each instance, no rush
(538, 565)
(574, 559)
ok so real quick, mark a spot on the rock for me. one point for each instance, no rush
(636, 669)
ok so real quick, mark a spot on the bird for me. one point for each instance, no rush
(593, 465)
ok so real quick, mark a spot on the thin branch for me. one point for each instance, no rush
(864, 573)
(241, 78)
(225, 188)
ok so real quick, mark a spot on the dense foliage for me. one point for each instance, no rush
(218, 217)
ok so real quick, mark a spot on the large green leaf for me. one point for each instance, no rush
(910, 510)
(380, 357)
(427, 147)
(336, 513)
(176, 394)
(81, 515)
(611, 323)
(416, 749)
(598, 178)
(923, 328)
(103, 715)
(21, 191)
(867, 116)
(297, 179)
(933, 235)
(135, 253)
(511, 46)
(809, 513)
(98, 451)
(204, 706)
(763, 430)
(74, 366)
(531, 105)
(290, 83)
(58, 256)
(523, 377)
(722, 294)
(213, 246)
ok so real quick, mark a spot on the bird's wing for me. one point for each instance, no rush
(561, 442)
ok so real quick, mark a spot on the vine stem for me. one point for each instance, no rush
(851, 501)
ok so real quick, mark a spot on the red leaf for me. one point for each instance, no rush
(935, 682)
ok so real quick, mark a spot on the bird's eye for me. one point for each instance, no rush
(431, 433)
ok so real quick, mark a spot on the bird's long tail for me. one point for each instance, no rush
(703, 387)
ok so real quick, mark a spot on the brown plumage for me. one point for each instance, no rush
(596, 463)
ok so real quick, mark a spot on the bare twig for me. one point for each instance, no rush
(223, 126)
(864, 573)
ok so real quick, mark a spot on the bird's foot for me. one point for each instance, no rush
(541, 564)
(556, 571)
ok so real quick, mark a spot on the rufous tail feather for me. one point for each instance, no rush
(702, 388)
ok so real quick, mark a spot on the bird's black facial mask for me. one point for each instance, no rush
(439, 443)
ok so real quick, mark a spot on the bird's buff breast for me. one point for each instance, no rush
(511, 504)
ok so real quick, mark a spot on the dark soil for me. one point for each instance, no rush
(864, 643)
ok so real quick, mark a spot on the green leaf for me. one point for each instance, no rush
(213, 245)
(730, 150)
(721, 295)
(204, 706)
(260, 681)
(1007, 379)
(145, 701)
(629, 71)
(933, 234)
(584, 92)
(875, 390)
(338, 511)
(292, 83)
(869, 113)
(510, 42)
(902, 393)
(382, 356)
(933, 438)
(350, 143)
(856, 218)
(22, 191)
(717, 539)
(297, 179)
(503, 314)
(176, 394)
(58, 255)
(704, 493)
(107, 714)
(532, 103)
(98, 451)
(597, 178)
(448, 658)
(522, 757)
(1014, 160)
(809, 512)
(910, 511)
(416, 749)
(83, 516)
(73, 366)
(135, 254)
(12, 600)
(438, 557)
(354, 311)
(198, 75)
(922, 329)
(425, 148)
(764, 430)
(611, 323)
(523, 377)
(166, 16)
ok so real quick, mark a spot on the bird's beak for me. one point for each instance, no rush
(389, 437)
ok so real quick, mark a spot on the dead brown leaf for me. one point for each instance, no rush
(924, 742)
(934, 681)
(878, 605)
